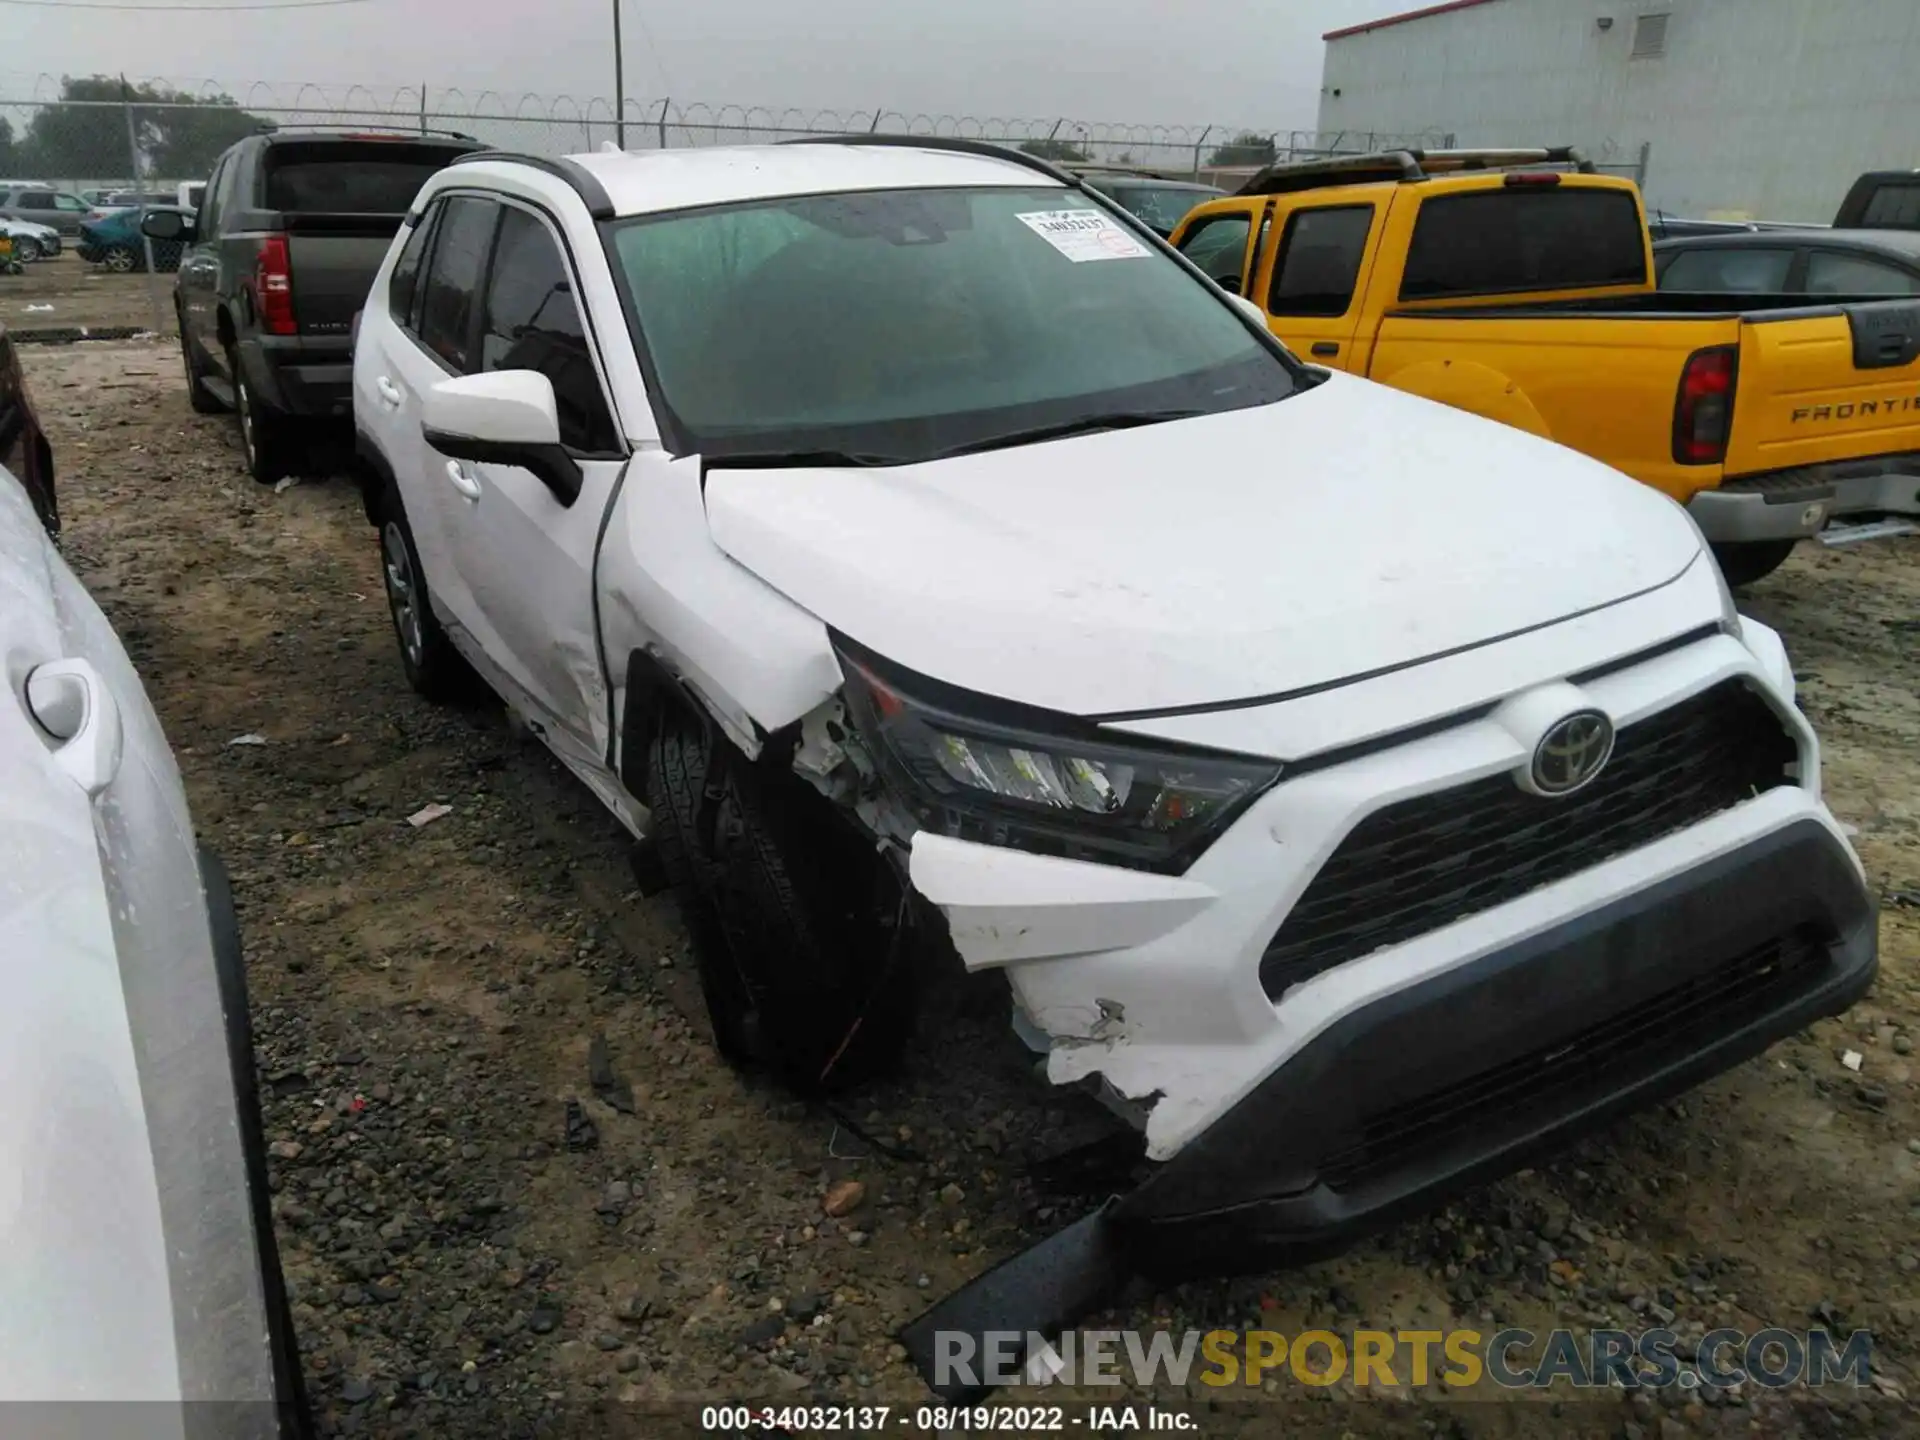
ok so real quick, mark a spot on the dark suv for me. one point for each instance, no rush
(276, 264)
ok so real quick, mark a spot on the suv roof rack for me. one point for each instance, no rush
(585, 184)
(398, 132)
(957, 144)
(1402, 166)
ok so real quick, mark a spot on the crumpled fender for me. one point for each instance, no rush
(756, 660)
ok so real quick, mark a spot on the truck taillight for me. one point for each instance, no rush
(1703, 412)
(273, 287)
(1518, 179)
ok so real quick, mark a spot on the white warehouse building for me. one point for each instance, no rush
(1726, 109)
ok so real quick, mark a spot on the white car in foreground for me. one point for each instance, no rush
(1357, 793)
(137, 1259)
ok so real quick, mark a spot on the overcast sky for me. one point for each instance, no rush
(1227, 62)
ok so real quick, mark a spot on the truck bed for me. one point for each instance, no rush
(1817, 381)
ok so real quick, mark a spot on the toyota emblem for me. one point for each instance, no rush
(1572, 752)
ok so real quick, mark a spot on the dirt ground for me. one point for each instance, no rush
(68, 293)
(426, 999)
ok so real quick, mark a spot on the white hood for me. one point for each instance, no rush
(1349, 529)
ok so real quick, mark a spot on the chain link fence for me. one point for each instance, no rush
(89, 145)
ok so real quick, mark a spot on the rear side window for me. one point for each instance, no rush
(1492, 242)
(453, 279)
(1893, 207)
(404, 284)
(1736, 270)
(35, 200)
(1831, 273)
(1319, 262)
(532, 322)
(373, 177)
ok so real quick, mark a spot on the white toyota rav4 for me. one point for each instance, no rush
(1356, 792)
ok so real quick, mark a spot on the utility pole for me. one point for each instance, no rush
(619, 84)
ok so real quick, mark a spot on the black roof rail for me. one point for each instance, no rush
(585, 184)
(273, 127)
(1401, 166)
(957, 144)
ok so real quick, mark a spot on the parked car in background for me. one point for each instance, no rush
(24, 451)
(1881, 200)
(1663, 226)
(1162, 202)
(122, 199)
(141, 1259)
(61, 210)
(1813, 262)
(1520, 285)
(276, 266)
(115, 240)
(31, 240)
(1359, 794)
(189, 194)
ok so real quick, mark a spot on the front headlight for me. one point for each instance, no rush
(980, 769)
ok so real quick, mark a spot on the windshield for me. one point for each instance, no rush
(1161, 206)
(903, 324)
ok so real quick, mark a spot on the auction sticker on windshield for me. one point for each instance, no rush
(1083, 235)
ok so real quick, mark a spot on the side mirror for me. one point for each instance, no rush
(505, 417)
(166, 225)
(1251, 310)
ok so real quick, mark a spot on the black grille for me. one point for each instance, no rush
(1426, 862)
(1676, 1020)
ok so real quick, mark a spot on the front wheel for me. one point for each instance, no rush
(26, 250)
(1751, 560)
(120, 260)
(800, 931)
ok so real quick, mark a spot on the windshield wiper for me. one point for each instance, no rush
(800, 459)
(1062, 429)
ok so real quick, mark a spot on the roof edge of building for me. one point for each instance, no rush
(1403, 18)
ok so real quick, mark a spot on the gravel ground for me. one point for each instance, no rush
(67, 292)
(428, 1000)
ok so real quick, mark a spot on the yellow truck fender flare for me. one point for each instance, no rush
(1468, 385)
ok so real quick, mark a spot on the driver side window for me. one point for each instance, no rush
(1218, 245)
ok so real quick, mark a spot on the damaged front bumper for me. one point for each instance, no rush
(1462, 1076)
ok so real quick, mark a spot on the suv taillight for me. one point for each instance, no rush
(1703, 412)
(273, 287)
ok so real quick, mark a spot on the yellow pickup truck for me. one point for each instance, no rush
(1518, 284)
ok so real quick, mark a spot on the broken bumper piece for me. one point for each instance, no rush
(1458, 1079)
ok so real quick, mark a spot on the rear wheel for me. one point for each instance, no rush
(120, 259)
(435, 670)
(263, 434)
(1751, 560)
(26, 249)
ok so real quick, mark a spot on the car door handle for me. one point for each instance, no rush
(462, 481)
(389, 391)
(70, 701)
(1326, 347)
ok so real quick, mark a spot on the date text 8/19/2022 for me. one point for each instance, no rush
(943, 1419)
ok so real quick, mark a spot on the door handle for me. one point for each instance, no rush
(70, 701)
(462, 481)
(389, 391)
(1326, 347)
